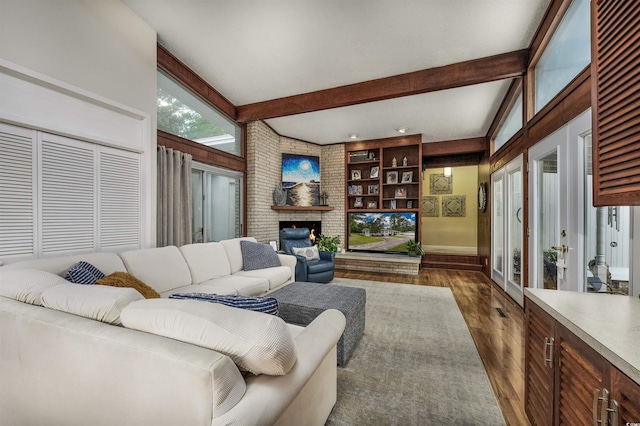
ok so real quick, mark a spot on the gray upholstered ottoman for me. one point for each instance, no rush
(301, 302)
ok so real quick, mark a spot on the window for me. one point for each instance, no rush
(183, 114)
(61, 195)
(217, 199)
(567, 53)
(511, 124)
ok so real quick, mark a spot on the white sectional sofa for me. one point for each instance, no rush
(72, 363)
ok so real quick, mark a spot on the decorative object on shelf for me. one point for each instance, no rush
(409, 204)
(324, 198)
(374, 189)
(371, 155)
(329, 244)
(392, 177)
(279, 195)
(407, 177)
(401, 192)
(392, 204)
(358, 202)
(482, 197)
(440, 184)
(356, 174)
(374, 173)
(358, 156)
(414, 248)
(404, 161)
(430, 206)
(394, 162)
(301, 179)
(454, 206)
(372, 204)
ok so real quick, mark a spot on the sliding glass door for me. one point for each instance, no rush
(217, 204)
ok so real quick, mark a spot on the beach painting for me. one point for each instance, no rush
(301, 179)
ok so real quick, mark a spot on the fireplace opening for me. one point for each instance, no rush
(314, 226)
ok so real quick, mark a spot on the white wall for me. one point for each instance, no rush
(94, 49)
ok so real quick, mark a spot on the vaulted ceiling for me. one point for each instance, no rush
(318, 70)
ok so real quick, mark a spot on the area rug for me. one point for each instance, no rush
(415, 365)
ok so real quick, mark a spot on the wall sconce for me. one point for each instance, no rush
(447, 171)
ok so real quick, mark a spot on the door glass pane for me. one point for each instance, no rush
(515, 224)
(222, 207)
(197, 207)
(498, 225)
(607, 240)
(548, 214)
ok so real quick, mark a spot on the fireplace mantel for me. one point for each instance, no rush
(304, 208)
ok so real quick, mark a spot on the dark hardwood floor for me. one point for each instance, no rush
(495, 322)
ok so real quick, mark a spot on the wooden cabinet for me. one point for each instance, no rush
(384, 174)
(568, 382)
(539, 365)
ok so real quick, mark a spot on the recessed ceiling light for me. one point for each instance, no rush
(353, 136)
(402, 129)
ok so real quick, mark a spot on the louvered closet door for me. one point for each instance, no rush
(16, 191)
(119, 189)
(68, 195)
(615, 77)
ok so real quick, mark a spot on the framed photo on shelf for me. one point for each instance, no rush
(392, 204)
(375, 172)
(401, 192)
(374, 189)
(356, 174)
(409, 204)
(358, 203)
(407, 177)
(371, 155)
(372, 204)
(358, 190)
(392, 177)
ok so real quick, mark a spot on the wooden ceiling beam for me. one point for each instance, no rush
(483, 70)
(452, 147)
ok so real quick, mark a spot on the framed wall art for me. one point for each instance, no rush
(454, 206)
(430, 207)
(440, 184)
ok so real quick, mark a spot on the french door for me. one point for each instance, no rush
(507, 188)
(573, 245)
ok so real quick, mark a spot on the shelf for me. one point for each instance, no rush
(304, 208)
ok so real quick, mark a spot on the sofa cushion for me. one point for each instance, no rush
(234, 252)
(83, 273)
(100, 303)
(268, 305)
(125, 279)
(310, 253)
(258, 256)
(274, 276)
(106, 262)
(206, 261)
(161, 268)
(256, 342)
(27, 285)
(245, 286)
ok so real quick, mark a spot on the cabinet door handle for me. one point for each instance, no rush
(548, 360)
(604, 417)
(612, 418)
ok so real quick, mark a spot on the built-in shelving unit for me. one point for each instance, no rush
(303, 208)
(384, 174)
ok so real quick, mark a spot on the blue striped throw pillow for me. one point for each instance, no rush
(84, 273)
(268, 305)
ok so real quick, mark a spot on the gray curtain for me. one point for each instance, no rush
(174, 197)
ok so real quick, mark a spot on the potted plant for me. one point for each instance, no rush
(328, 243)
(414, 248)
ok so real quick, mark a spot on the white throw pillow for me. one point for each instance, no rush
(256, 342)
(311, 253)
(98, 302)
(27, 285)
